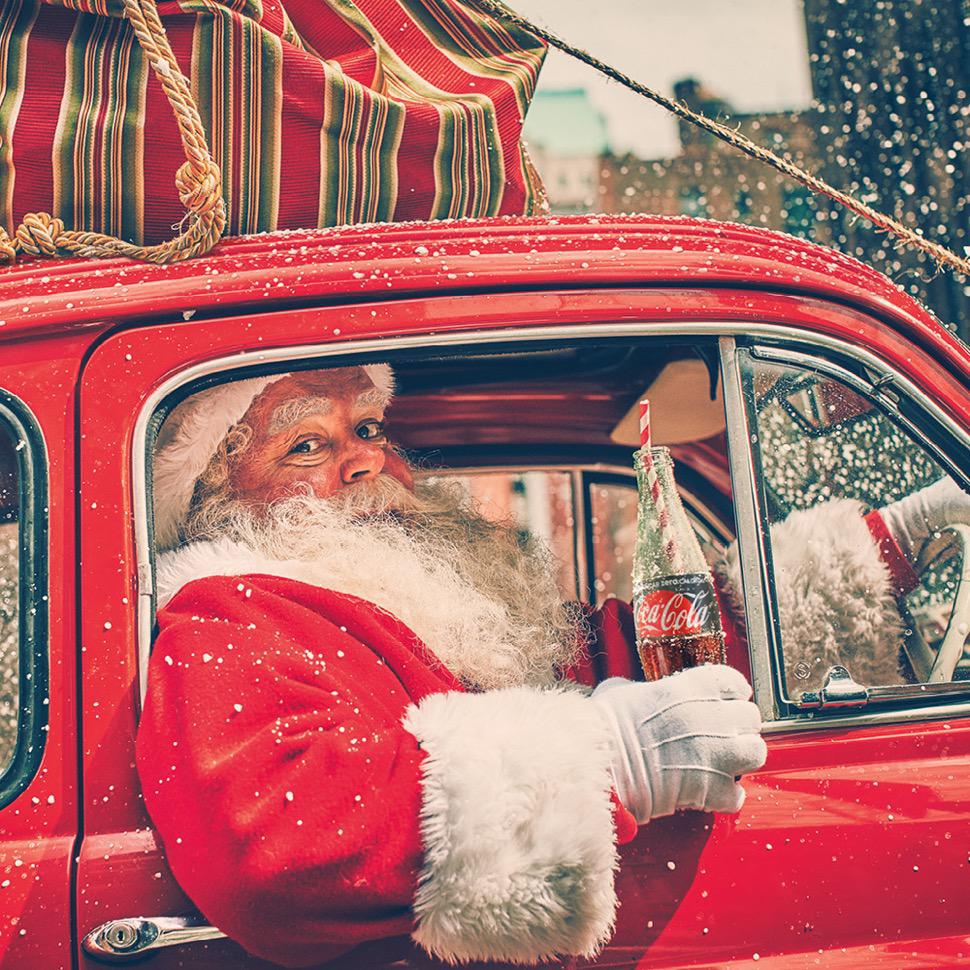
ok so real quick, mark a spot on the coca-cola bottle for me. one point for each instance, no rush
(674, 604)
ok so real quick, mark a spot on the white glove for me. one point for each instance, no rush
(917, 519)
(681, 742)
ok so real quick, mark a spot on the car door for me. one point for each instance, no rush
(851, 841)
(40, 801)
(696, 889)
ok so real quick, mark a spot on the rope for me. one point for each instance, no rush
(198, 180)
(940, 254)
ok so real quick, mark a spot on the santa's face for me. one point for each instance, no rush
(324, 431)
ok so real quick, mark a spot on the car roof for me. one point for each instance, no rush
(396, 260)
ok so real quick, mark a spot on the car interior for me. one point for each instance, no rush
(543, 433)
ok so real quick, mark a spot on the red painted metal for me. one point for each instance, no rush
(836, 815)
(39, 828)
(390, 261)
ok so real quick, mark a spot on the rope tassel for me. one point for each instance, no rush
(198, 180)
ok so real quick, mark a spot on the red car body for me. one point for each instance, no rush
(853, 848)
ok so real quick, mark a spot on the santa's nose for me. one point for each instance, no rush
(364, 461)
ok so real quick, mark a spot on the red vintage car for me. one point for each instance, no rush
(781, 374)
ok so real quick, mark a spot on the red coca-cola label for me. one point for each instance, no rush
(683, 605)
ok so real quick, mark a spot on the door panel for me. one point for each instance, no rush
(847, 838)
(40, 805)
(792, 874)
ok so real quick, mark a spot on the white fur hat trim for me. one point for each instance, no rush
(192, 434)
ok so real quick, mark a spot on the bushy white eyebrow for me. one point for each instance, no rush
(372, 397)
(290, 412)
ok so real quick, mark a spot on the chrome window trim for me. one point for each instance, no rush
(881, 392)
(874, 718)
(380, 348)
(748, 517)
(581, 550)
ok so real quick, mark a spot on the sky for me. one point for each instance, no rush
(750, 52)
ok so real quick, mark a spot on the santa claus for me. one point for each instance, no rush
(357, 724)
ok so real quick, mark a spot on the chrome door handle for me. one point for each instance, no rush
(838, 690)
(120, 940)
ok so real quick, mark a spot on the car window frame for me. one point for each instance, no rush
(915, 414)
(747, 503)
(33, 596)
(584, 476)
(697, 510)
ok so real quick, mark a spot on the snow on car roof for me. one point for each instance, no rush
(274, 271)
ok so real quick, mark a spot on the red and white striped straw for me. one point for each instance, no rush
(653, 480)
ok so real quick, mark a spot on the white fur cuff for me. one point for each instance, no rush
(835, 601)
(517, 824)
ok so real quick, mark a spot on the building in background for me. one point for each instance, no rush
(567, 139)
(889, 123)
(711, 179)
(891, 83)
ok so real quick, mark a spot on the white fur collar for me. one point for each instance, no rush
(468, 632)
(223, 557)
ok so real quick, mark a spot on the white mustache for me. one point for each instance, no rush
(376, 496)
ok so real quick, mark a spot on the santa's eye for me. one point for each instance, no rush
(371, 431)
(308, 446)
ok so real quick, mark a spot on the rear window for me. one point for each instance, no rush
(9, 593)
(23, 597)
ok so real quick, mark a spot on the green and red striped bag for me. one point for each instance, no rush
(319, 113)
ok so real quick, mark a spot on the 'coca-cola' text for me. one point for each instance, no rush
(677, 606)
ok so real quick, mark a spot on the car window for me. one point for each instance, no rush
(613, 527)
(9, 593)
(828, 457)
(540, 503)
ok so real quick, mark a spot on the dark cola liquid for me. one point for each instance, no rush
(660, 656)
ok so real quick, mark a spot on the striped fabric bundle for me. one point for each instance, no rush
(324, 113)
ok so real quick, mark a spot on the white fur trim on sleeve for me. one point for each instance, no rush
(834, 594)
(517, 824)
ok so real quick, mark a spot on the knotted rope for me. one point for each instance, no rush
(198, 180)
(905, 236)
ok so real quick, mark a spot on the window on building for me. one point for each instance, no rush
(692, 201)
(742, 205)
(798, 210)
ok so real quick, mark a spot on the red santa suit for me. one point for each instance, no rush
(319, 779)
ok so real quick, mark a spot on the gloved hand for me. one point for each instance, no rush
(916, 520)
(681, 742)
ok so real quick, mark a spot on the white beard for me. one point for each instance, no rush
(488, 609)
